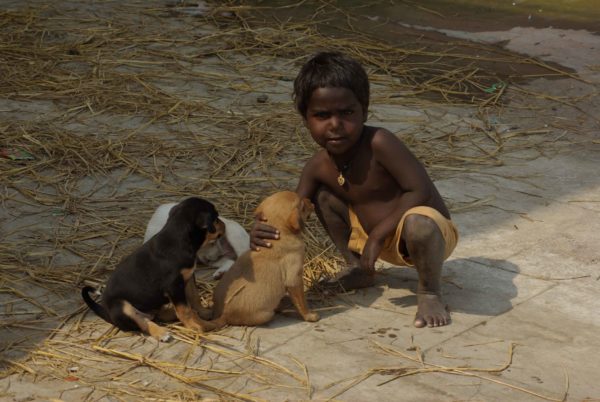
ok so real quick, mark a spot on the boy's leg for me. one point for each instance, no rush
(335, 218)
(425, 246)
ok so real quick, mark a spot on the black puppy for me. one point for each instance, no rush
(160, 272)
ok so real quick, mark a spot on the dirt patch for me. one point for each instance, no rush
(110, 109)
(407, 25)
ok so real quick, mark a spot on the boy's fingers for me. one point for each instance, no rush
(256, 245)
(367, 263)
(262, 234)
(263, 228)
(263, 243)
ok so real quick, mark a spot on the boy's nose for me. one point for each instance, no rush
(334, 122)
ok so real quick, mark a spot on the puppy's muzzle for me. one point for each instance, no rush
(215, 231)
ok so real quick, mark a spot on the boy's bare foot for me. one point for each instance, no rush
(351, 278)
(431, 311)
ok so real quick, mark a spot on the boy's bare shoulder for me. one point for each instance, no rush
(382, 139)
(315, 166)
(317, 160)
(390, 151)
(313, 174)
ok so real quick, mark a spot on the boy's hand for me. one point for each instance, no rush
(370, 254)
(261, 232)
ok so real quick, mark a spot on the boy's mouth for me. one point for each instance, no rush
(335, 140)
(335, 143)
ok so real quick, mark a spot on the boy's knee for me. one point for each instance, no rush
(420, 229)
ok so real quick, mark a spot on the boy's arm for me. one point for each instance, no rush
(411, 176)
(308, 183)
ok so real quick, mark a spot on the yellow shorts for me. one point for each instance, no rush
(391, 248)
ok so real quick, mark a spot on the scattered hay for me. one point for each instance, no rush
(423, 367)
(110, 109)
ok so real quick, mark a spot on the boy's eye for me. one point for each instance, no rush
(322, 115)
(347, 112)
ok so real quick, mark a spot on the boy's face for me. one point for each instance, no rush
(335, 119)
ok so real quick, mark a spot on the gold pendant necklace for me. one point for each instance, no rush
(341, 179)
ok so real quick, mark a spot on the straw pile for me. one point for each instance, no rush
(110, 109)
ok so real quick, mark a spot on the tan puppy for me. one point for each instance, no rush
(251, 290)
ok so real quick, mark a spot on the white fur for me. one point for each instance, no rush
(220, 254)
(158, 220)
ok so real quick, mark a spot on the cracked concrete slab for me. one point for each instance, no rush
(524, 277)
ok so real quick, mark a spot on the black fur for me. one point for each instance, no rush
(151, 275)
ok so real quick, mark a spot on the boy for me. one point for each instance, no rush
(371, 194)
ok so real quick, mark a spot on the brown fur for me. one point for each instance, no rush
(251, 290)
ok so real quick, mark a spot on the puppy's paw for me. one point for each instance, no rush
(166, 337)
(311, 316)
(196, 324)
(223, 266)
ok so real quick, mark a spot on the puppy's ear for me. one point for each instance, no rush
(205, 221)
(307, 207)
(175, 209)
(294, 220)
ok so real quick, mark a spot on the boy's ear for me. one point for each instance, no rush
(304, 122)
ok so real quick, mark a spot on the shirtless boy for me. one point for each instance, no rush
(371, 194)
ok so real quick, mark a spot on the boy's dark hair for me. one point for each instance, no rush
(330, 70)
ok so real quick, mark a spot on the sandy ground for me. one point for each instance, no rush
(522, 285)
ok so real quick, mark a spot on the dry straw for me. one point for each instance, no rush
(111, 108)
(422, 367)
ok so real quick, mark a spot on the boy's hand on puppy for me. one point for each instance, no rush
(261, 233)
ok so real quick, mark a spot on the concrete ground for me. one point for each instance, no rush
(523, 288)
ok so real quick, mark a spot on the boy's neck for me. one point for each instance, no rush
(344, 160)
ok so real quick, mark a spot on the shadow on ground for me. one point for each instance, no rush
(469, 286)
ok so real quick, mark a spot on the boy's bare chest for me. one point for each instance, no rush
(363, 182)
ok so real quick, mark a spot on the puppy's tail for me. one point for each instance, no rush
(95, 307)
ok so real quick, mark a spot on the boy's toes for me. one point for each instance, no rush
(420, 322)
(431, 321)
(431, 311)
(444, 321)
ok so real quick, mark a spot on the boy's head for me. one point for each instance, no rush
(330, 70)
